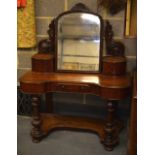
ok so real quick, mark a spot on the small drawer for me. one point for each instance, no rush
(64, 87)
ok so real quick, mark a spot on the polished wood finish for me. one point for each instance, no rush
(52, 122)
(108, 87)
(36, 122)
(43, 63)
(105, 131)
(111, 83)
(111, 88)
(132, 143)
(114, 65)
(111, 139)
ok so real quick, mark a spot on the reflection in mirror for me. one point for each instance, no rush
(78, 40)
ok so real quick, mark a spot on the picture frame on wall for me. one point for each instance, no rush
(131, 18)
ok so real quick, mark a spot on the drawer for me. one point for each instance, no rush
(65, 87)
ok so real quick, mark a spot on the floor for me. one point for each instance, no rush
(64, 142)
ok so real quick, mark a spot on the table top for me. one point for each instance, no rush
(96, 79)
(108, 87)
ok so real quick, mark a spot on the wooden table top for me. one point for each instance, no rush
(96, 79)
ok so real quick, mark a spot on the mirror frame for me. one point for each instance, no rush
(79, 8)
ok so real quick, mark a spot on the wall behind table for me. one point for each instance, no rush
(45, 11)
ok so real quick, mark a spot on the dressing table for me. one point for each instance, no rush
(71, 60)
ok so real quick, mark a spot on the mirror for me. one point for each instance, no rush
(78, 42)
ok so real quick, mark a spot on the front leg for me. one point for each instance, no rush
(36, 119)
(111, 139)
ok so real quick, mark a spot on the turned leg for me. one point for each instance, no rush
(36, 120)
(111, 138)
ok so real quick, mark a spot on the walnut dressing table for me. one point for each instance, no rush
(108, 80)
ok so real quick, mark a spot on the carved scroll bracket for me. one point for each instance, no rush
(48, 45)
(114, 48)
